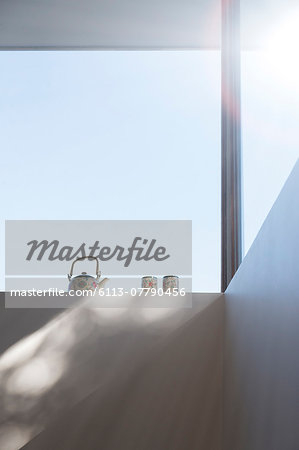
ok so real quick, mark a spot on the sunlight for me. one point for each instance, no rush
(156, 314)
(36, 376)
(281, 50)
(13, 436)
(22, 351)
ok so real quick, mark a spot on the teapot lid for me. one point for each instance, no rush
(85, 275)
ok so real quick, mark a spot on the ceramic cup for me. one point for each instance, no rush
(170, 282)
(149, 282)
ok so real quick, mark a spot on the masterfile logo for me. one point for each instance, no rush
(140, 249)
(123, 247)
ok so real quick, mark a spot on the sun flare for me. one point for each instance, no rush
(281, 50)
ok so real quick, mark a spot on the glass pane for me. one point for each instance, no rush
(270, 114)
(115, 135)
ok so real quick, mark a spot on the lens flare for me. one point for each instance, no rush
(281, 50)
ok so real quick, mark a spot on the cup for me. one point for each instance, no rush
(149, 282)
(170, 282)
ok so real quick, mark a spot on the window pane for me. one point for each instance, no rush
(270, 114)
(115, 135)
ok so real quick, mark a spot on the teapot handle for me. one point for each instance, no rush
(98, 272)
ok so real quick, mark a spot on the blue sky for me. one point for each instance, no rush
(115, 135)
(270, 136)
(136, 135)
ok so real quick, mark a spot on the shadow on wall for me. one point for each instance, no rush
(79, 351)
(171, 401)
(22, 321)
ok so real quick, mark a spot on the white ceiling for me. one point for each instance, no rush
(128, 24)
(110, 23)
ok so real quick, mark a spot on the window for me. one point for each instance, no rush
(270, 112)
(116, 135)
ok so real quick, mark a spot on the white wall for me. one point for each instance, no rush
(261, 371)
(139, 378)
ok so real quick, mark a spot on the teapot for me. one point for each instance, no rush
(84, 282)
